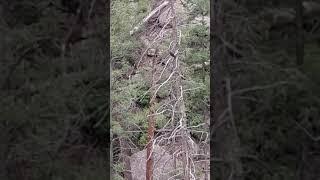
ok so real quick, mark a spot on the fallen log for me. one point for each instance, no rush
(150, 15)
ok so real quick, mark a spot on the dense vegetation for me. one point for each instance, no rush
(53, 88)
(275, 103)
(129, 95)
(54, 85)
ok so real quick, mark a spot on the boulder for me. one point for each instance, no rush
(163, 164)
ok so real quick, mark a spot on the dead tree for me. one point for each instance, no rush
(164, 74)
(151, 124)
(178, 91)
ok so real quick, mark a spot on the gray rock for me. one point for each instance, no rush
(163, 164)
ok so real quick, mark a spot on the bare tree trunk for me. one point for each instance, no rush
(151, 124)
(178, 90)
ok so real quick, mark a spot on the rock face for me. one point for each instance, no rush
(166, 14)
(164, 18)
(163, 164)
(163, 161)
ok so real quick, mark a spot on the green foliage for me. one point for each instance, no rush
(201, 7)
(122, 44)
(195, 43)
(143, 98)
(116, 128)
(197, 56)
(197, 36)
(161, 121)
(131, 96)
(143, 140)
(119, 168)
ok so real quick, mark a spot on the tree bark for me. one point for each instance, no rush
(151, 124)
